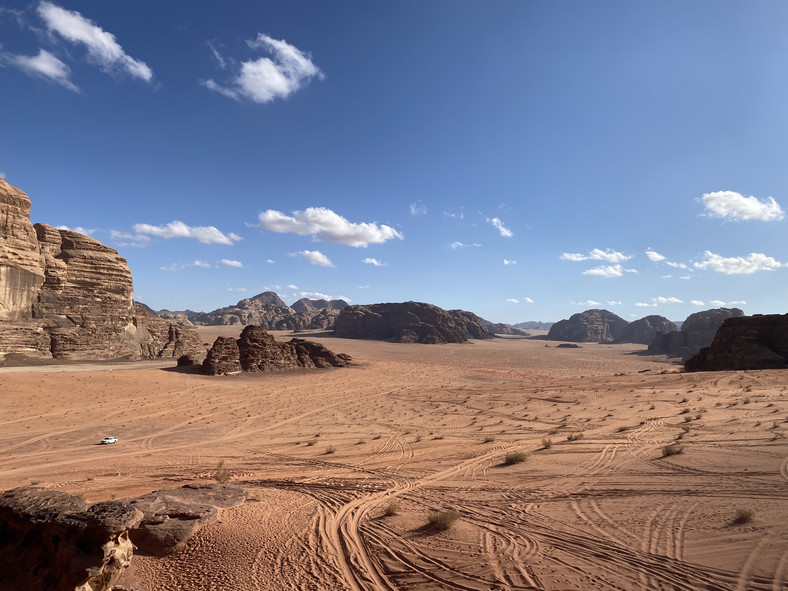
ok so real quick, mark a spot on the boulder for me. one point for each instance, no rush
(51, 540)
(745, 342)
(697, 331)
(257, 350)
(591, 326)
(409, 322)
(644, 330)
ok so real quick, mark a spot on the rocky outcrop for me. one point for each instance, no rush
(697, 331)
(51, 540)
(591, 326)
(257, 350)
(159, 338)
(644, 330)
(171, 517)
(501, 328)
(533, 325)
(68, 296)
(409, 322)
(266, 310)
(745, 342)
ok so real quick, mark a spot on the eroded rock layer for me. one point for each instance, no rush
(68, 296)
(745, 342)
(257, 350)
(409, 322)
(591, 326)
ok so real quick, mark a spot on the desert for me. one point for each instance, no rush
(559, 465)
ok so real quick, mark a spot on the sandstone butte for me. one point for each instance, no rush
(68, 296)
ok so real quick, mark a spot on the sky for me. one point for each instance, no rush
(523, 160)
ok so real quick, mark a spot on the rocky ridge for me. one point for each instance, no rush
(66, 295)
(697, 331)
(597, 326)
(644, 330)
(745, 342)
(257, 350)
(409, 322)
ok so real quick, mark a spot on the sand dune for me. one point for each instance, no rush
(428, 428)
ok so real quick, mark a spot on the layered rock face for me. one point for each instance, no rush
(591, 326)
(257, 350)
(266, 310)
(748, 342)
(409, 322)
(64, 294)
(51, 540)
(644, 330)
(697, 331)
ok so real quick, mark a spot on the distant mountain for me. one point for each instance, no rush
(501, 328)
(266, 310)
(534, 325)
(696, 332)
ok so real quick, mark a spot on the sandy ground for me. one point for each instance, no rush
(421, 429)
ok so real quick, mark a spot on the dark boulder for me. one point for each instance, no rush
(591, 326)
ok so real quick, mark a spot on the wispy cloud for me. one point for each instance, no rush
(177, 229)
(237, 289)
(267, 78)
(178, 266)
(528, 300)
(513, 300)
(721, 303)
(609, 271)
(231, 263)
(455, 245)
(44, 65)
(499, 225)
(752, 263)
(80, 229)
(586, 303)
(697, 302)
(418, 208)
(324, 225)
(654, 256)
(374, 262)
(102, 47)
(659, 300)
(614, 303)
(597, 254)
(508, 262)
(734, 206)
(127, 239)
(316, 295)
(316, 258)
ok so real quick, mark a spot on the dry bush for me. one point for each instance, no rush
(442, 520)
(743, 516)
(515, 457)
(574, 436)
(221, 474)
(547, 443)
(672, 450)
(391, 509)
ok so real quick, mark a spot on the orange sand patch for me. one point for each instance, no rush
(428, 428)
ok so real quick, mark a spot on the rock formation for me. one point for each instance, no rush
(697, 331)
(534, 325)
(66, 295)
(409, 322)
(644, 330)
(501, 328)
(256, 350)
(591, 326)
(51, 540)
(266, 310)
(745, 342)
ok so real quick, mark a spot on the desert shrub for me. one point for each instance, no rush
(623, 428)
(331, 449)
(391, 509)
(684, 411)
(672, 450)
(488, 439)
(515, 457)
(743, 516)
(442, 520)
(747, 400)
(221, 474)
(574, 436)
(310, 443)
(547, 443)
(687, 419)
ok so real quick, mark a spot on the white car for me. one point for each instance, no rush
(108, 440)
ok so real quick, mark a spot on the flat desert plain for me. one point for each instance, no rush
(344, 467)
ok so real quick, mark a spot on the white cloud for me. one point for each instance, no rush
(127, 239)
(316, 258)
(737, 303)
(455, 245)
(237, 289)
(529, 300)
(738, 265)
(614, 303)
(172, 267)
(2, 175)
(43, 65)
(375, 262)
(325, 225)
(316, 295)
(586, 303)
(720, 303)
(685, 277)
(676, 265)
(668, 276)
(606, 271)
(645, 305)
(418, 208)
(80, 229)
(102, 47)
(202, 264)
(231, 263)
(670, 300)
(735, 206)
(270, 261)
(292, 286)
(697, 303)
(513, 300)
(508, 262)
(597, 254)
(504, 231)
(177, 229)
(219, 59)
(265, 79)
(654, 256)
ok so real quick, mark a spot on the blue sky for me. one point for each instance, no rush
(522, 160)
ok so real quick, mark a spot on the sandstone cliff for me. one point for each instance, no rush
(644, 330)
(257, 350)
(66, 295)
(697, 331)
(409, 322)
(591, 326)
(745, 342)
(51, 540)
